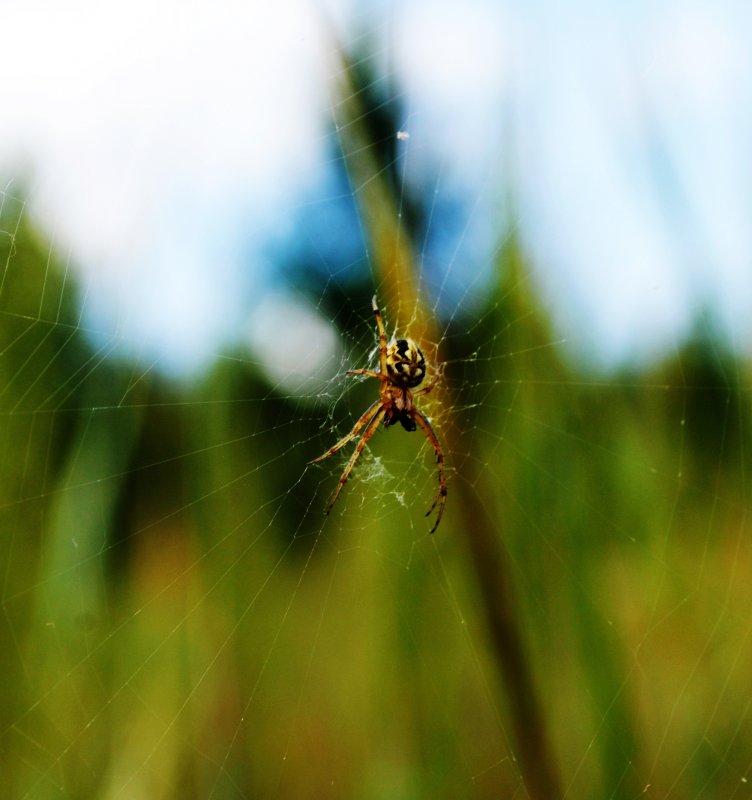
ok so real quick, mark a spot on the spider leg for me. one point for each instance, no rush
(382, 335)
(356, 428)
(367, 434)
(427, 389)
(369, 372)
(434, 439)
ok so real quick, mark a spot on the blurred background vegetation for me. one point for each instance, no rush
(179, 621)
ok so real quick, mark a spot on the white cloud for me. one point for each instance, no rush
(160, 141)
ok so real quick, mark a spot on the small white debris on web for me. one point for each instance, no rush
(403, 136)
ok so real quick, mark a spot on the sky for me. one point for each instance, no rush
(167, 150)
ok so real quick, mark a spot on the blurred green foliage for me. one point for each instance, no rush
(178, 620)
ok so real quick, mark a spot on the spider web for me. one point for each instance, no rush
(181, 619)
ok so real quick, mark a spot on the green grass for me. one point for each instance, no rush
(180, 620)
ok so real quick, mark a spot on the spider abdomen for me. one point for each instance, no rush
(405, 363)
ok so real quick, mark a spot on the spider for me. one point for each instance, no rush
(402, 367)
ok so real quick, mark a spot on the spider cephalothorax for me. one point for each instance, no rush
(402, 367)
